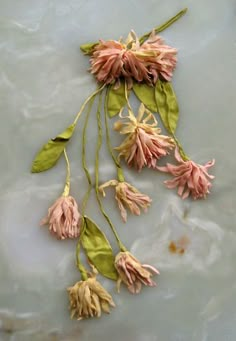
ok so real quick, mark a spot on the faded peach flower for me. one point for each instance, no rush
(132, 273)
(112, 60)
(127, 196)
(144, 144)
(190, 178)
(161, 58)
(63, 218)
(89, 299)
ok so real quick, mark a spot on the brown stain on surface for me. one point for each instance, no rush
(179, 246)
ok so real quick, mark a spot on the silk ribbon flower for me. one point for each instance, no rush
(63, 218)
(144, 145)
(190, 178)
(132, 273)
(88, 298)
(127, 196)
(114, 60)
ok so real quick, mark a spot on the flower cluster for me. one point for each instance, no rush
(112, 60)
(144, 144)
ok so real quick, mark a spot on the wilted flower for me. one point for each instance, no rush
(63, 218)
(133, 273)
(190, 178)
(144, 144)
(127, 196)
(89, 299)
(112, 60)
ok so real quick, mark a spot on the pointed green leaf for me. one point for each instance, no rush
(88, 48)
(50, 153)
(98, 249)
(146, 95)
(116, 99)
(167, 105)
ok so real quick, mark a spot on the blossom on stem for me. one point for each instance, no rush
(189, 177)
(89, 299)
(127, 196)
(132, 273)
(144, 145)
(63, 218)
(112, 60)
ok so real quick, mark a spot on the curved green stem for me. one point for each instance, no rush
(120, 174)
(164, 26)
(127, 97)
(86, 101)
(99, 143)
(84, 162)
(67, 183)
(79, 264)
(181, 150)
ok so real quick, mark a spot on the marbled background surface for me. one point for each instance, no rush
(43, 81)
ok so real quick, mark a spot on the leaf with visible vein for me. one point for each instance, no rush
(146, 94)
(98, 249)
(116, 99)
(167, 105)
(50, 153)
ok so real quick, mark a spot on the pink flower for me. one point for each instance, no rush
(63, 218)
(113, 60)
(132, 273)
(163, 60)
(144, 145)
(127, 196)
(190, 178)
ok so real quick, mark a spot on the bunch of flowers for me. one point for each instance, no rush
(145, 67)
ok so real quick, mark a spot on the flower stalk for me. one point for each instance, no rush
(99, 144)
(67, 183)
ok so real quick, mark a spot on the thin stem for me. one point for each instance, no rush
(79, 264)
(120, 174)
(84, 161)
(86, 101)
(67, 183)
(99, 143)
(164, 26)
(127, 97)
(181, 150)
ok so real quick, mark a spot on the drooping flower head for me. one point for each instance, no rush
(89, 299)
(127, 196)
(114, 60)
(132, 273)
(189, 177)
(63, 218)
(144, 144)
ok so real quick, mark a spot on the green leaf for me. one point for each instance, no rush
(88, 48)
(98, 249)
(167, 105)
(50, 153)
(116, 99)
(146, 94)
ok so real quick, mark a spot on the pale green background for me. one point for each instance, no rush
(43, 81)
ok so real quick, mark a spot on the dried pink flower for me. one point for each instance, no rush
(63, 218)
(144, 144)
(190, 178)
(113, 60)
(133, 273)
(127, 196)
